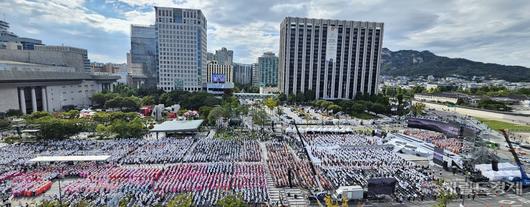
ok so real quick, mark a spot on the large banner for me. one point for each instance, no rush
(331, 43)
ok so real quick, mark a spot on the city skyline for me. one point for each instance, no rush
(488, 32)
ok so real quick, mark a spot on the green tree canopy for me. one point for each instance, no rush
(181, 200)
(231, 201)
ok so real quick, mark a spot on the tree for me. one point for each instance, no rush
(38, 115)
(377, 108)
(181, 200)
(13, 112)
(334, 108)
(417, 108)
(309, 95)
(282, 97)
(124, 103)
(124, 201)
(72, 114)
(204, 111)
(418, 89)
(148, 100)
(231, 201)
(270, 102)
(358, 107)
(444, 196)
(217, 113)
(131, 129)
(53, 128)
(124, 90)
(99, 99)
(259, 117)
(51, 203)
(4, 123)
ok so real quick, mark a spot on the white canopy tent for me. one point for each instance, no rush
(74, 158)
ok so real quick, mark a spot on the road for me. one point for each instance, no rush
(481, 114)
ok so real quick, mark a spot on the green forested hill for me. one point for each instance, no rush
(414, 63)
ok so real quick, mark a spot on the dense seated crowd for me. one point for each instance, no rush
(281, 162)
(355, 165)
(159, 152)
(438, 139)
(339, 139)
(147, 186)
(144, 184)
(213, 150)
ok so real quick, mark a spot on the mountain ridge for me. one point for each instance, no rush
(416, 63)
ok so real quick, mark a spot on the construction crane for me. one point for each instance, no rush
(525, 181)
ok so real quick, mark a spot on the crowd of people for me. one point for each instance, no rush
(346, 165)
(226, 167)
(145, 186)
(213, 150)
(327, 140)
(282, 162)
(161, 151)
(438, 139)
(207, 168)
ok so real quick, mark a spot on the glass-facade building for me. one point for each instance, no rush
(336, 59)
(143, 51)
(268, 69)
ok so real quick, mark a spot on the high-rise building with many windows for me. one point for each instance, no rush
(181, 49)
(335, 59)
(224, 56)
(143, 52)
(243, 73)
(268, 69)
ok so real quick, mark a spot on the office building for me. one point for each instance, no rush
(210, 57)
(220, 78)
(181, 40)
(242, 73)
(67, 49)
(336, 59)
(224, 56)
(255, 75)
(143, 53)
(268, 69)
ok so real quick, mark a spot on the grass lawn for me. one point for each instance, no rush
(497, 125)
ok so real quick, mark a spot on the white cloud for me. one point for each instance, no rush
(484, 30)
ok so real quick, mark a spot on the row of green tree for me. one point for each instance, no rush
(62, 125)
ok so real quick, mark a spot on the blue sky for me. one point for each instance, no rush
(495, 31)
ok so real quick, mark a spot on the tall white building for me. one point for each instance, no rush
(181, 49)
(335, 59)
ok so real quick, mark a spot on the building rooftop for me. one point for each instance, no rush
(17, 76)
(177, 126)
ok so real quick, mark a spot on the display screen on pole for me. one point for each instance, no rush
(218, 78)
